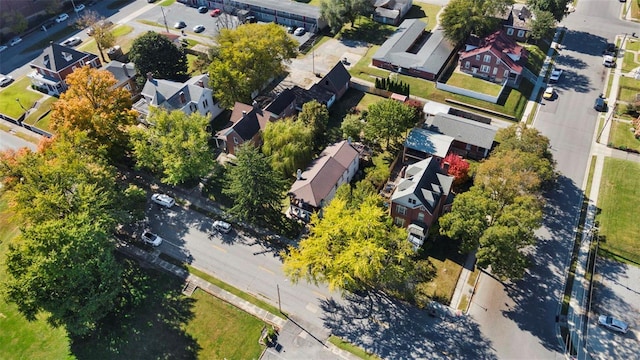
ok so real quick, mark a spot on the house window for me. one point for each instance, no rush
(466, 64)
(510, 31)
(487, 58)
(402, 210)
(485, 68)
(235, 140)
(468, 147)
(520, 33)
(421, 216)
(205, 103)
(127, 86)
(193, 107)
(506, 73)
(399, 221)
(478, 57)
(495, 70)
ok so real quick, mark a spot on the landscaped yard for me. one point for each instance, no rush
(618, 203)
(119, 33)
(20, 90)
(43, 108)
(621, 136)
(443, 253)
(424, 12)
(630, 62)
(369, 99)
(469, 82)
(629, 89)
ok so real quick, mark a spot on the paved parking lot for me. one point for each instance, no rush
(616, 292)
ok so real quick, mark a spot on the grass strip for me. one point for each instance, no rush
(355, 350)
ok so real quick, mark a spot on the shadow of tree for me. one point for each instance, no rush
(367, 30)
(584, 42)
(147, 324)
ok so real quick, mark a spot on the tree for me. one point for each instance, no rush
(94, 106)
(316, 117)
(352, 249)
(354, 196)
(458, 168)
(99, 28)
(248, 57)
(156, 54)
(14, 21)
(352, 127)
(339, 12)
(289, 146)
(176, 145)
(543, 25)
(388, 120)
(555, 7)
(256, 189)
(460, 18)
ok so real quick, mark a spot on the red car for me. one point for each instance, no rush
(215, 12)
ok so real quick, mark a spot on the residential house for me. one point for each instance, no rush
(247, 123)
(422, 143)
(315, 187)
(328, 90)
(516, 21)
(421, 196)
(284, 105)
(55, 63)
(391, 11)
(192, 96)
(471, 139)
(125, 75)
(413, 51)
(496, 57)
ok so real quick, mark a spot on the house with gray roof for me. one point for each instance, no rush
(422, 143)
(391, 11)
(125, 75)
(471, 139)
(421, 196)
(517, 21)
(55, 63)
(413, 51)
(316, 186)
(194, 95)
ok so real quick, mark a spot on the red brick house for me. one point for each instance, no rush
(247, 123)
(516, 21)
(496, 57)
(56, 63)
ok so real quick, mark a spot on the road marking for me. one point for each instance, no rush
(267, 270)
(219, 248)
(320, 295)
(312, 308)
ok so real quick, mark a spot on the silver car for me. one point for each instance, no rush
(151, 238)
(163, 200)
(613, 324)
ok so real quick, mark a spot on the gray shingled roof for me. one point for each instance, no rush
(291, 7)
(117, 69)
(464, 130)
(57, 57)
(166, 93)
(336, 78)
(430, 58)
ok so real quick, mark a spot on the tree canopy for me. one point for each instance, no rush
(156, 54)
(175, 145)
(388, 120)
(289, 146)
(99, 28)
(339, 12)
(543, 25)
(94, 106)
(555, 7)
(256, 189)
(247, 58)
(460, 18)
(315, 116)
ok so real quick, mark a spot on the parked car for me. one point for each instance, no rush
(5, 80)
(79, 8)
(62, 17)
(548, 93)
(215, 12)
(15, 41)
(180, 25)
(613, 324)
(250, 20)
(555, 74)
(222, 226)
(3, 48)
(163, 200)
(198, 29)
(609, 61)
(72, 41)
(290, 29)
(299, 31)
(151, 238)
(611, 49)
(203, 9)
(600, 104)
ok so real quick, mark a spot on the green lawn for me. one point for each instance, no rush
(443, 253)
(367, 100)
(618, 202)
(474, 84)
(621, 136)
(536, 58)
(42, 109)
(629, 62)
(633, 45)
(119, 32)
(424, 12)
(18, 90)
(629, 88)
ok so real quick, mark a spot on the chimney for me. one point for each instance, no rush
(244, 112)
(149, 76)
(298, 174)
(126, 72)
(255, 104)
(445, 167)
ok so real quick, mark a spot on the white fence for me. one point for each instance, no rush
(470, 93)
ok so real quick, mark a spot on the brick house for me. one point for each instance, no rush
(497, 58)
(516, 21)
(247, 123)
(421, 196)
(55, 63)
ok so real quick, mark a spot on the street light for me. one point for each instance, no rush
(19, 103)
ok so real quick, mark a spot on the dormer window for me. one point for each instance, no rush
(67, 56)
(183, 98)
(47, 61)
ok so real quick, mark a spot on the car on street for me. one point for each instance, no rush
(62, 17)
(215, 12)
(79, 8)
(609, 61)
(299, 31)
(3, 48)
(180, 25)
(613, 324)
(15, 41)
(600, 104)
(250, 20)
(555, 74)
(163, 200)
(611, 49)
(290, 29)
(5, 80)
(203, 9)
(151, 238)
(72, 41)
(198, 29)
(548, 93)
(222, 226)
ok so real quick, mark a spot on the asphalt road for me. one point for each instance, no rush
(519, 319)
(9, 141)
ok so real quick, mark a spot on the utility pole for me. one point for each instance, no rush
(279, 305)
(165, 19)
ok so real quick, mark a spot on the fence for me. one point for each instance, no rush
(32, 128)
(470, 93)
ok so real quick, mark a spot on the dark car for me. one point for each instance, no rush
(600, 104)
(250, 20)
(203, 9)
(180, 25)
(611, 49)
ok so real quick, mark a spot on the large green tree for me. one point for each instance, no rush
(175, 145)
(339, 12)
(543, 26)
(99, 28)
(247, 58)
(352, 127)
(315, 116)
(256, 189)
(555, 7)
(289, 146)
(155, 54)
(460, 18)
(388, 120)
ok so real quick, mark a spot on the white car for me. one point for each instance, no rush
(62, 17)
(151, 238)
(613, 324)
(3, 48)
(222, 226)
(79, 8)
(72, 41)
(299, 31)
(198, 29)
(163, 200)
(555, 74)
(5, 80)
(15, 41)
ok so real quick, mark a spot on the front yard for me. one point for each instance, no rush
(621, 136)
